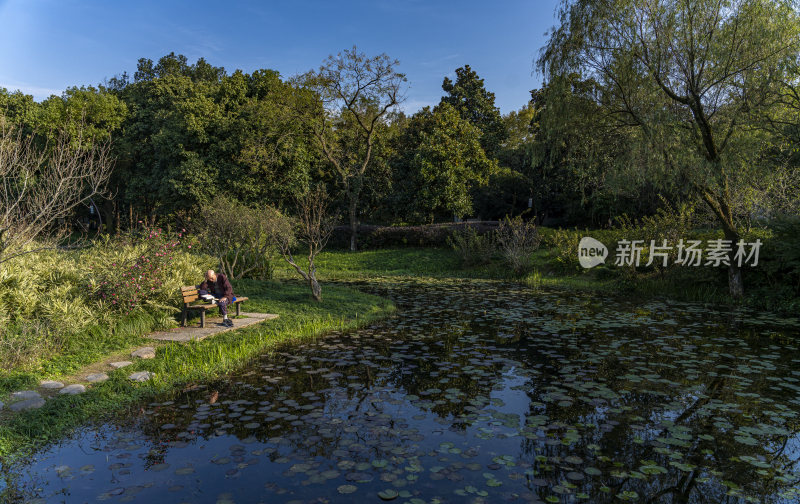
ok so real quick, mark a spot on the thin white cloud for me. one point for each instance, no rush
(38, 93)
(411, 106)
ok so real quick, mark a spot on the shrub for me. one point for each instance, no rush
(472, 248)
(46, 286)
(50, 301)
(563, 245)
(130, 285)
(669, 223)
(517, 241)
(242, 238)
(24, 343)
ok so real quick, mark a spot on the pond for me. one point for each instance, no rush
(474, 392)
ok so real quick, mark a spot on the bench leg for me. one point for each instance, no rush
(202, 318)
(238, 310)
(184, 314)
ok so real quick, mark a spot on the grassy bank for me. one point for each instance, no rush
(683, 284)
(179, 364)
(339, 265)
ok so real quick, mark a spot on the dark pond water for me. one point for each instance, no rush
(475, 392)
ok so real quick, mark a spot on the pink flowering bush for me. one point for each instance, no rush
(148, 273)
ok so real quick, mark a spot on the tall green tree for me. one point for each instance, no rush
(692, 77)
(170, 136)
(442, 161)
(475, 104)
(272, 157)
(196, 131)
(87, 118)
(582, 167)
(97, 113)
(357, 89)
(18, 109)
(509, 189)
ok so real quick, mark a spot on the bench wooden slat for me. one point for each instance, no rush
(189, 294)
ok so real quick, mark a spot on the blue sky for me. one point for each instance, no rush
(49, 45)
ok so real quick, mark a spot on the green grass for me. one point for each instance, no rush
(684, 284)
(82, 348)
(365, 265)
(177, 364)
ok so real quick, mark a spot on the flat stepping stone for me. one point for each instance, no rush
(25, 395)
(120, 364)
(144, 353)
(27, 404)
(97, 378)
(74, 389)
(141, 376)
(50, 384)
(197, 334)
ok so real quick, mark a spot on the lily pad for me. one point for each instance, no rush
(388, 494)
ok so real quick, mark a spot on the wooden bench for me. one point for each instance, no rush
(191, 295)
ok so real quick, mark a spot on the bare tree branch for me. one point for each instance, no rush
(40, 188)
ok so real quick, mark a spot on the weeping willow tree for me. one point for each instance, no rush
(692, 79)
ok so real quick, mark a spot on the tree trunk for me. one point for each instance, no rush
(722, 210)
(316, 290)
(353, 222)
(110, 220)
(735, 283)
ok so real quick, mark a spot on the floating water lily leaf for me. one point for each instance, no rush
(346, 489)
(746, 440)
(681, 466)
(388, 494)
(652, 469)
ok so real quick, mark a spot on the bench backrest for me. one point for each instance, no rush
(189, 294)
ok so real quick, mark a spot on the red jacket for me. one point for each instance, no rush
(221, 288)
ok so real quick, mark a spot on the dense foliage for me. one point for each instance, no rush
(53, 302)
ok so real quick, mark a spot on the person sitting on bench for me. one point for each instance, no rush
(218, 285)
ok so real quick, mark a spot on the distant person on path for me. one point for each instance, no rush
(218, 285)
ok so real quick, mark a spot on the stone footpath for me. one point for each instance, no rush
(213, 326)
(32, 399)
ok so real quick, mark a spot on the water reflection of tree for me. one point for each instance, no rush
(679, 486)
(372, 366)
